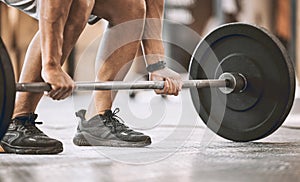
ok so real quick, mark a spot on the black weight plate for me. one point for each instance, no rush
(260, 57)
(7, 89)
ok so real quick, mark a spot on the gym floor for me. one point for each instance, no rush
(183, 148)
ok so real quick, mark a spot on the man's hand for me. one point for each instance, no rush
(61, 83)
(173, 81)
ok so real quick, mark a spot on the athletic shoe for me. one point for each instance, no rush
(23, 137)
(107, 130)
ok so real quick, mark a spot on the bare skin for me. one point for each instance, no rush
(45, 56)
(154, 47)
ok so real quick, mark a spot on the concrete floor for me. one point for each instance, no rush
(183, 148)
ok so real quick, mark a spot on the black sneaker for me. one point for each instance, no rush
(23, 137)
(107, 130)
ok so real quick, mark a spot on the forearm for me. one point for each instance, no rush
(53, 17)
(153, 44)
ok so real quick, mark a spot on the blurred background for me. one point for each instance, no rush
(279, 16)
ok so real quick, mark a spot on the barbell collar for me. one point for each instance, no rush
(237, 83)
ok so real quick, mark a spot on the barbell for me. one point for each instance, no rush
(228, 83)
(240, 73)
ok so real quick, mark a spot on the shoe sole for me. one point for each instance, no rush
(85, 139)
(6, 148)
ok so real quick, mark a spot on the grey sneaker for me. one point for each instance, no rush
(107, 130)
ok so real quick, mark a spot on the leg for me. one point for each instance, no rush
(118, 48)
(27, 102)
(114, 55)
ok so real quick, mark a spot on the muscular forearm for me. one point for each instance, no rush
(53, 17)
(153, 44)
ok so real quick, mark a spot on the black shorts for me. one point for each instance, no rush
(30, 7)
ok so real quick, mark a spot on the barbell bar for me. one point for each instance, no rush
(119, 85)
(227, 81)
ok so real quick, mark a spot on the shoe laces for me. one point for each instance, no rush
(28, 124)
(115, 121)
